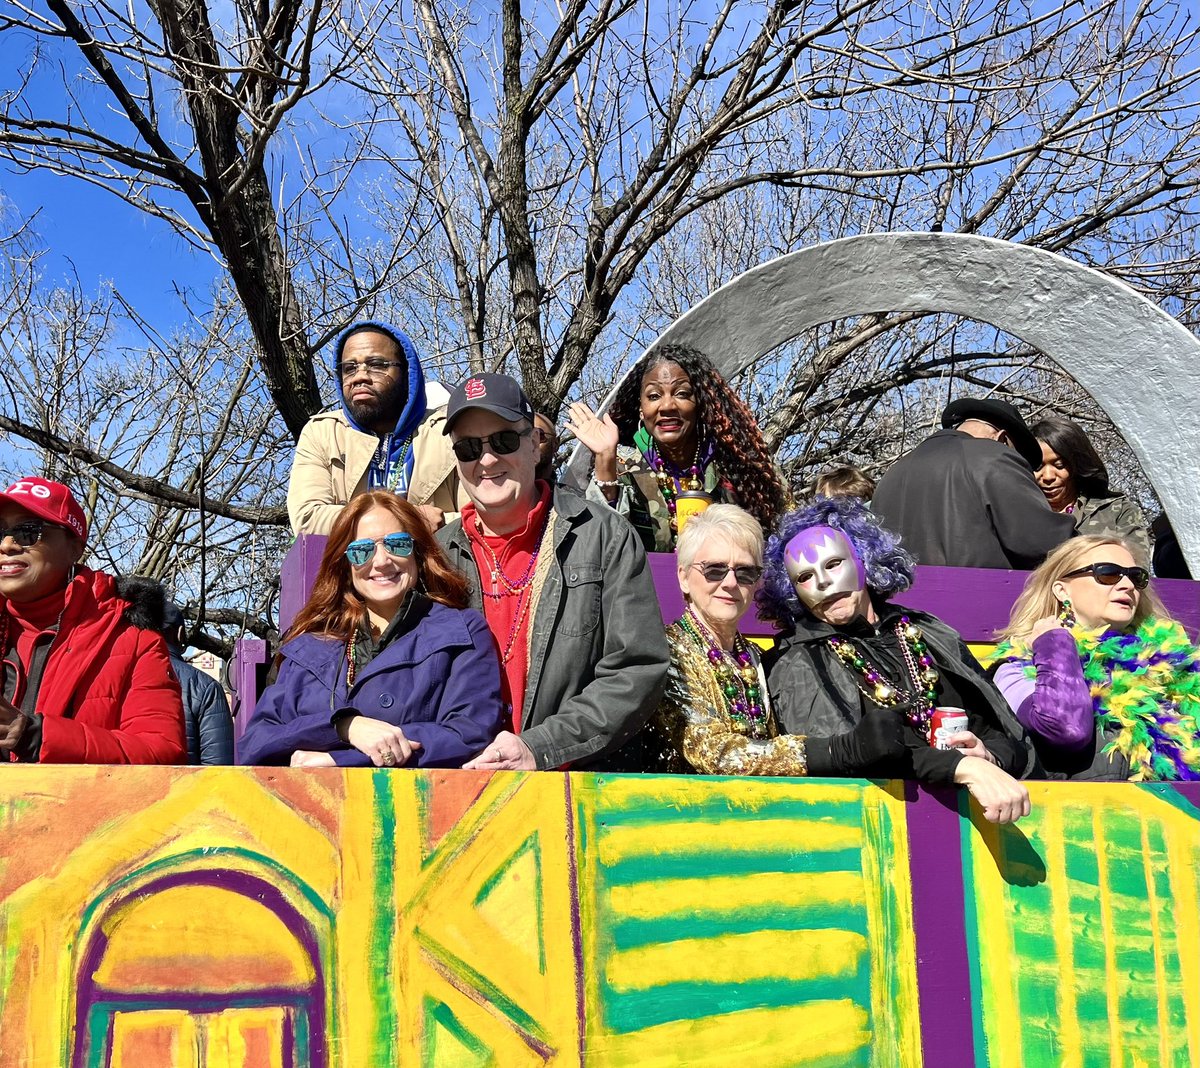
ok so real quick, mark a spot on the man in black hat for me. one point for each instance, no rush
(564, 586)
(966, 496)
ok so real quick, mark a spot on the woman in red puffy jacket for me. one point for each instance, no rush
(85, 676)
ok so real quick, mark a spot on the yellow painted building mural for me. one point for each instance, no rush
(293, 918)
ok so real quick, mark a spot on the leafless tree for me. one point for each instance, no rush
(544, 186)
(592, 169)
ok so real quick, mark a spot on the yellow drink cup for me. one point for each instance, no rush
(687, 504)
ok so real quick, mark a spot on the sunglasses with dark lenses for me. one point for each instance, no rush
(24, 534)
(362, 552)
(501, 443)
(746, 574)
(1110, 574)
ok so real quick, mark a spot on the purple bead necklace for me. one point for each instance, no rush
(737, 676)
(877, 687)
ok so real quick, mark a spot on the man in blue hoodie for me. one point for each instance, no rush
(381, 436)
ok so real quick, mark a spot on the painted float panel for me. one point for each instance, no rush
(279, 918)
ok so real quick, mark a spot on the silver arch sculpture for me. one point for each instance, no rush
(1141, 365)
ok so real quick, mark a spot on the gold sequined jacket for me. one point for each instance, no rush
(693, 731)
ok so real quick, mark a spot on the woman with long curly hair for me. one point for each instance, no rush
(385, 665)
(683, 431)
(1106, 682)
(867, 675)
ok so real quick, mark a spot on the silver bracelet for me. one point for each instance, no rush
(605, 483)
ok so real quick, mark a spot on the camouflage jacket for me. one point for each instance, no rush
(642, 503)
(1115, 516)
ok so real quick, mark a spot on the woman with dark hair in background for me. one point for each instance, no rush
(385, 664)
(686, 432)
(1075, 482)
(866, 675)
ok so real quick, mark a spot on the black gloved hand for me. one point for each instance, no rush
(875, 741)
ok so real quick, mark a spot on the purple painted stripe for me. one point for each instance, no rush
(943, 968)
(576, 919)
(89, 992)
(974, 601)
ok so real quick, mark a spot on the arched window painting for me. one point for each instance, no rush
(212, 969)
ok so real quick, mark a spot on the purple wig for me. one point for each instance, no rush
(889, 569)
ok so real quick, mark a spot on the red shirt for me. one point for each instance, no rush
(26, 623)
(507, 611)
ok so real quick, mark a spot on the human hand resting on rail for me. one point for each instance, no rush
(308, 758)
(970, 745)
(12, 725)
(1002, 798)
(506, 753)
(384, 743)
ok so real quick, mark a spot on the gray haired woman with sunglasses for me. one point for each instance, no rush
(1104, 680)
(715, 716)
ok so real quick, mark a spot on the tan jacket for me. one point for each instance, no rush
(331, 462)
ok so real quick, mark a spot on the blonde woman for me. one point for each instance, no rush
(1107, 684)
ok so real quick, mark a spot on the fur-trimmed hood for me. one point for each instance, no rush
(146, 601)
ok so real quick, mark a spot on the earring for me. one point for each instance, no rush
(1066, 617)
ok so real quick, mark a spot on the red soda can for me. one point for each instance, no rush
(946, 722)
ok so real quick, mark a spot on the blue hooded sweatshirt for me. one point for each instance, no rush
(380, 474)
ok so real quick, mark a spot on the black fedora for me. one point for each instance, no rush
(1001, 415)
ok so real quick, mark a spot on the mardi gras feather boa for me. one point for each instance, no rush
(1146, 688)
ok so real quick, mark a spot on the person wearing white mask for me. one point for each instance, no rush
(851, 667)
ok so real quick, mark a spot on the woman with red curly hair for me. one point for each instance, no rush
(385, 665)
(686, 432)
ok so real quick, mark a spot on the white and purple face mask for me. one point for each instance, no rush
(822, 563)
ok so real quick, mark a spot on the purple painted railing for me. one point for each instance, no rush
(974, 601)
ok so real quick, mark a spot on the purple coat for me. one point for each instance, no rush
(439, 680)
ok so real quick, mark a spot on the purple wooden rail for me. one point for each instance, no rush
(974, 601)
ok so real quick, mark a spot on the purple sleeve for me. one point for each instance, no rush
(282, 723)
(468, 714)
(1056, 705)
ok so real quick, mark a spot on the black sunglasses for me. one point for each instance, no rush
(1110, 574)
(501, 443)
(24, 534)
(746, 574)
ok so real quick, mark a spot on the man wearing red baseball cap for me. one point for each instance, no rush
(85, 676)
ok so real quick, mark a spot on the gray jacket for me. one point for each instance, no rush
(598, 654)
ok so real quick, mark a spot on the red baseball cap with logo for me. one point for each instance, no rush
(48, 500)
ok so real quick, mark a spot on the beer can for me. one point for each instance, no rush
(946, 722)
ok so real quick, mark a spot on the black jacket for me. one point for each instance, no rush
(961, 501)
(813, 693)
